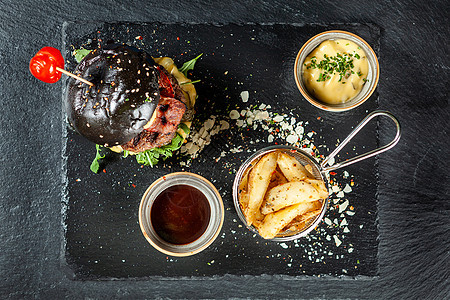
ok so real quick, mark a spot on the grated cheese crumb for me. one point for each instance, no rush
(234, 114)
(244, 96)
(292, 139)
(343, 206)
(347, 189)
(337, 241)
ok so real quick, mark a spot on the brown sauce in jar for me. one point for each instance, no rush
(180, 214)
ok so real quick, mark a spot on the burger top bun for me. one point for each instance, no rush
(122, 100)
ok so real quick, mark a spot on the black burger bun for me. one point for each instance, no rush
(122, 100)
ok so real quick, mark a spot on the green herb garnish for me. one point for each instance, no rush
(189, 65)
(341, 64)
(95, 165)
(195, 81)
(80, 54)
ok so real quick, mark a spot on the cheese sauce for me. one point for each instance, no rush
(335, 71)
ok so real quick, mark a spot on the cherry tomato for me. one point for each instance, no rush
(43, 65)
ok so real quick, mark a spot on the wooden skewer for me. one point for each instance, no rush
(74, 76)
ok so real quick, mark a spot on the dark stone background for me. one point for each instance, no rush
(413, 219)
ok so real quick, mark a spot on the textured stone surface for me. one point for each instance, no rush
(413, 183)
(103, 239)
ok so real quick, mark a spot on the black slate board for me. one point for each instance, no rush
(102, 235)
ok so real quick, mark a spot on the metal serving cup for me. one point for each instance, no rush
(372, 77)
(215, 221)
(319, 171)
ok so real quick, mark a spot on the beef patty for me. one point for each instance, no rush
(167, 116)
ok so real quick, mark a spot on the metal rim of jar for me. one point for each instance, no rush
(322, 105)
(204, 244)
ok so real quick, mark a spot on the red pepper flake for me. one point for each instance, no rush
(133, 185)
(318, 118)
(104, 171)
(333, 173)
(178, 38)
(139, 37)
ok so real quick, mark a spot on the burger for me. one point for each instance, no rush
(137, 105)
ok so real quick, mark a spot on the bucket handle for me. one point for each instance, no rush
(365, 155)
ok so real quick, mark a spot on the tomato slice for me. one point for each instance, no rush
(165, 86)
(43, 64)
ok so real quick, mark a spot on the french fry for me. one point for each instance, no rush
(287, 194)
(243, 200)
(275, 222)
(258, 181)
(278, 193)
(300, 222)
(259, 218)
(276, 179)
(243, 185)
(309, 168)
(243, 190)
(319, 185)
(292, 169)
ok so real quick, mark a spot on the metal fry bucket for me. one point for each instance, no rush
(319, 171)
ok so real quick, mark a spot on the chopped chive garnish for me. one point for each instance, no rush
(341, 64)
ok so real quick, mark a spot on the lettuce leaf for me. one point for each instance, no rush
(95, 165)
(189, 65)
(152, 156)
(80, 54)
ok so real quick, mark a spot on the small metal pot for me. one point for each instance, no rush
(372, 77)
(215, 221)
